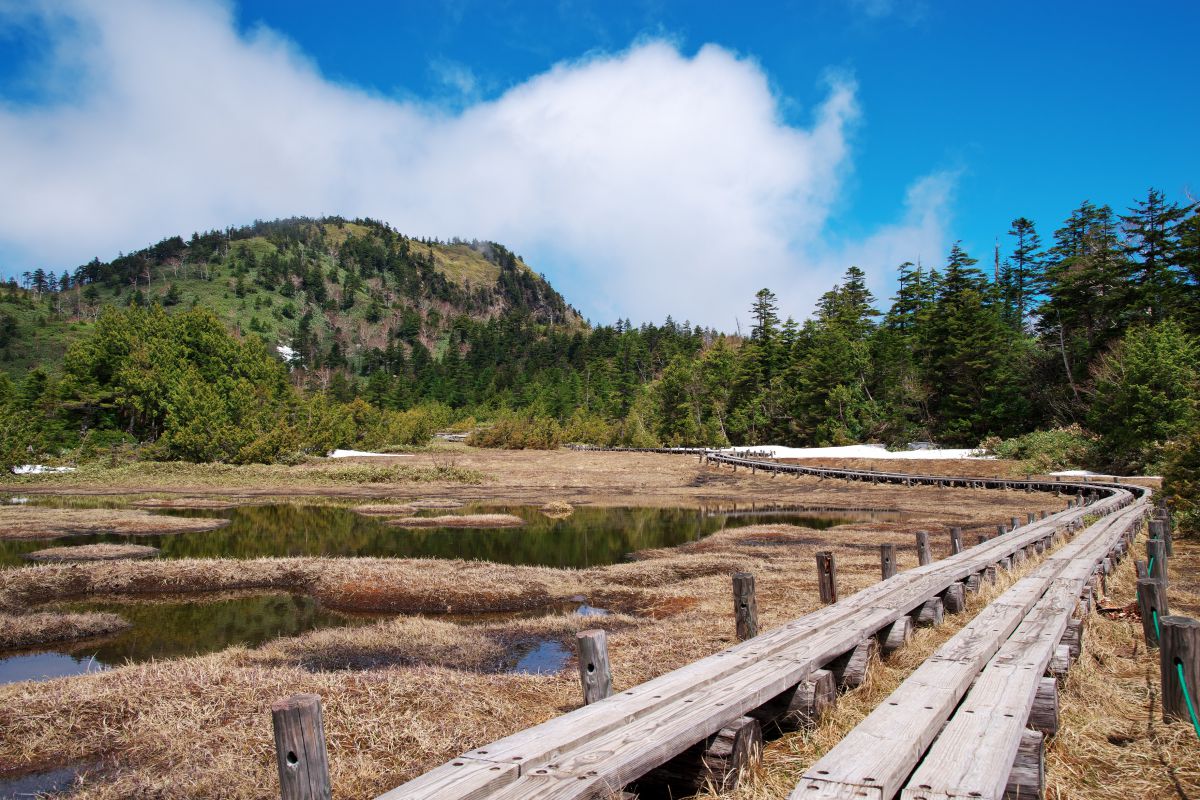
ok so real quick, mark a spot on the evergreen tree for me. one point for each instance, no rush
(1152, 231)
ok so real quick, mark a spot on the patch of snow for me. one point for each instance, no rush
(1085, 473)
(38, 469)
(857, 451)
(361, 453)
(17, 501)
(286, 353)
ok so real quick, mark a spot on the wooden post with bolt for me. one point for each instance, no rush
(924, 553)
(745, 606)
(887, 560)
(1156, 552)
(595, 674)
(1179, 661)
(300, 748)
(956, 544)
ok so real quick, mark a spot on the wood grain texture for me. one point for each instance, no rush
(595, 674)
(300, 748)
(1027, 780)
(924, 551)
(887, 561)
(1152, 603)
(1179, 645)
(745, 606)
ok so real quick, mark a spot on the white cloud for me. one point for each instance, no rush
(642, 183)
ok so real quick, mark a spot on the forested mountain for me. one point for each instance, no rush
(1093, 332)
(333, 291)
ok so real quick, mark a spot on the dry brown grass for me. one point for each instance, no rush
(384, 509)
(92, 552)
(429, 641)
(556, 509)
(41, 628)
(435, 502)
(184, 502)
(460, 521)
(39, 522)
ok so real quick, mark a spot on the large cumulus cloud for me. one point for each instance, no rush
(642, 183)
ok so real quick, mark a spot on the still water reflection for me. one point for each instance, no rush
(588, 537)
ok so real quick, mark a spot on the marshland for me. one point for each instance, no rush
(431, 357)
(128, 669)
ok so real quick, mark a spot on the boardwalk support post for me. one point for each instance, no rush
(850, 669)
(896, 635)
(1156, 552)
(956, 545)
(718, 761)
(1152, 603)
(954, 598)
(745, 606)
(827, 577)
(924, 553)
(595, 674)
(300, 748)
(887, 560)
(1179, 654)
(1028, 776)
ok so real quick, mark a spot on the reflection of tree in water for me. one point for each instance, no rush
(589, 537)
(170, 629)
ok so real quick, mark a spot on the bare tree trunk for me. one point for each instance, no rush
(1062, 348)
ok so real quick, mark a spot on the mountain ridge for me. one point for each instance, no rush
(333, 290)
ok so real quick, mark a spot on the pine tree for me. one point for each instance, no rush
(1023, 275)
(1152, 231)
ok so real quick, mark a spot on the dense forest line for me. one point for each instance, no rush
(298, 335)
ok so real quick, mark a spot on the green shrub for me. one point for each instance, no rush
(585, 427)
(514, 432)
(1044, 451)
(1181, 482)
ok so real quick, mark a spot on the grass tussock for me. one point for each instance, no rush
(384, 509)
(557, 509)
(460, 521)
(435, 503)
(184, 502)
(39, 522)
(92, 552)
(41, 628)
(429, 641)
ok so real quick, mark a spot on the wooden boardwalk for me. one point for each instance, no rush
(997, 662)
(599, 749)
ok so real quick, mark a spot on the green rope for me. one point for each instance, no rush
(1150, 566)
(1188, 697)
(1157, 632)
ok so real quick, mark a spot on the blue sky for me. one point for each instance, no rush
(871, 130)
